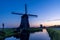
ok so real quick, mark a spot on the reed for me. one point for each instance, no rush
(54, 34)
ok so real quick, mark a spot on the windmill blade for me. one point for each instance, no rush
(25, 8)
(32, 15)
(17, 13)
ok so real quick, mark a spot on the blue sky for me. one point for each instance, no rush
(45, 9)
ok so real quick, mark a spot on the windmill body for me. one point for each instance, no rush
(24, 21)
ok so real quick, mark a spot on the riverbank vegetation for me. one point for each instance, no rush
(31, 30)
(10, 31)
(54, 34)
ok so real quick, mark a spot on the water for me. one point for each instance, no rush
(32, 36)
(12, 38)
(40, 35)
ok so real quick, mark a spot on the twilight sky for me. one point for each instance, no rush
(45, 9)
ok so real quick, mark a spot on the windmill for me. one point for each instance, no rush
(24, 19)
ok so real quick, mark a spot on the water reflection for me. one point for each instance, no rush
(24, 35)
(12, 38)
(40, 35)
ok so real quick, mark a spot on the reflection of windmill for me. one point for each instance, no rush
(24, 19)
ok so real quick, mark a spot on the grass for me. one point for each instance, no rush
(54, 34)
(7, 33)
(31, 30)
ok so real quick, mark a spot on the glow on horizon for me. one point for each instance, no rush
(51, 23)
(47, 23)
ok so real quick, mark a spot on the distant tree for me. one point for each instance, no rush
(41, 25)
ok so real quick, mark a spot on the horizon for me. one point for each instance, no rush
(45, 9)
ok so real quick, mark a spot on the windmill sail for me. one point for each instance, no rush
(17, 13)
(25, 8)
(32, 15)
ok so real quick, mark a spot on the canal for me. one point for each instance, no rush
(32, 36)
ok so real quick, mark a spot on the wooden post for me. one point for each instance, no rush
(2, 26)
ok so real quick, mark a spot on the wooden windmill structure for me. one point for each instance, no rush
(24, 19)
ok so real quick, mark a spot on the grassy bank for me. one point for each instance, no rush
(54, 34)
(6, 33)
(31, 30)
